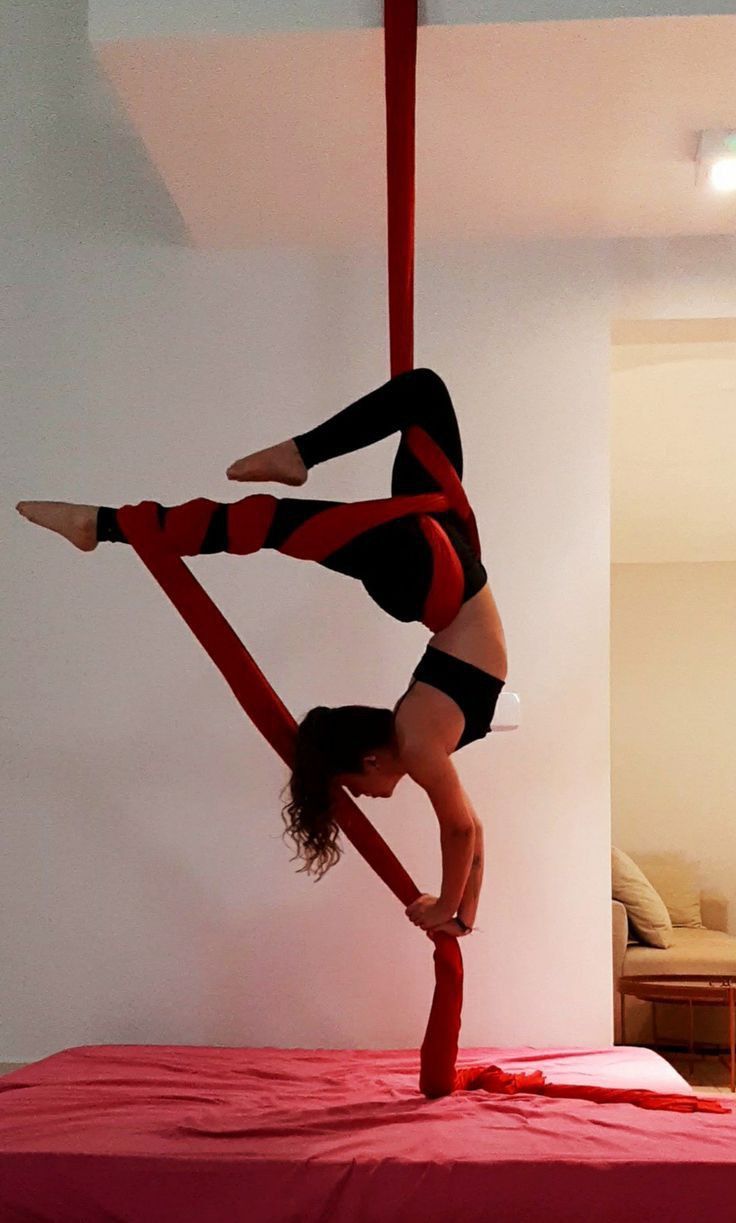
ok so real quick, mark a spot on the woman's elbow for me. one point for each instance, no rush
(461, 830)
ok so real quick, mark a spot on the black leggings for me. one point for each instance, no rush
(418, 397)
(393, 561)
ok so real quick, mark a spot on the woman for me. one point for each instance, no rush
(454, 689)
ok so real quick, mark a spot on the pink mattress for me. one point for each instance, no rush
(152, 1134)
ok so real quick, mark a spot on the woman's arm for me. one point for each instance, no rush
(433, 770)
(468, 907)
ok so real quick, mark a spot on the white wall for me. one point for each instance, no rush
(673, 709)
(678, 277)
(147, 895)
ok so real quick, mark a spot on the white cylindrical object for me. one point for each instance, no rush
(508, 712)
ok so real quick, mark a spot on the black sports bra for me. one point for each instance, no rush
(474, 691)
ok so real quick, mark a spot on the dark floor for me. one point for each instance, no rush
(706, 1075)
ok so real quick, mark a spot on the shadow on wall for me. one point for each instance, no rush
(73, 165)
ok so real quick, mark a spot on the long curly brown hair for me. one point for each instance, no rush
(329, 741)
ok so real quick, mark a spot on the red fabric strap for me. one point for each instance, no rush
(445, 596)
(332, 528)
(400, 55)
(435, 461)
(249, 521)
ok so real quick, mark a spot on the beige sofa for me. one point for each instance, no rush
(710, 949)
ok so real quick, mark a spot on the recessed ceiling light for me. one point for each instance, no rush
(723, 174)
(716, 158)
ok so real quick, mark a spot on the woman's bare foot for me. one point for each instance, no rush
(77, 523)
(282, 464)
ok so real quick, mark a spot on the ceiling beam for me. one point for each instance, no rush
(133, 19)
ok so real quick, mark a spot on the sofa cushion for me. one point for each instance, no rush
(647, 911)
(675, 880)
(690, 951)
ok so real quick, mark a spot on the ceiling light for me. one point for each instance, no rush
(723, 174)
(716, 158)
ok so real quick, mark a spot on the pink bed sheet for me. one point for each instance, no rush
(152, 1134)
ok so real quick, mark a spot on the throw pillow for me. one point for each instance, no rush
(646, 909)
(676, 881)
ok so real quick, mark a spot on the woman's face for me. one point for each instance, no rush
(377, 779)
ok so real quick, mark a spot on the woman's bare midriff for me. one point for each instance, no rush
(476, 635)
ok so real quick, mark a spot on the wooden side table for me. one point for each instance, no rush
(704, 989)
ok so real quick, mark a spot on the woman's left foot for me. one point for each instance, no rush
(281, 464)
(77, 523)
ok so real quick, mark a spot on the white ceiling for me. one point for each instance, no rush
(112, 19)
(564, 129)
(673, 442)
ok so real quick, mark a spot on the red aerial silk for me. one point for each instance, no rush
(323, 534)
(400, 57)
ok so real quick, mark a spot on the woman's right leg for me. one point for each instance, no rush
(417, 397)
(418, 405)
